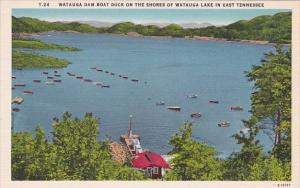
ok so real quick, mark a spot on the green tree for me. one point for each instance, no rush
(22, 155)
(270, 169)
(271, 99)
(192, 160)
(74, 154)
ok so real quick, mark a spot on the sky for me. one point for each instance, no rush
(213, 16)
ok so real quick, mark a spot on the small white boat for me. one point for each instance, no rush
(224, 124)
(192, 96)
(175, 108)
(49, 83)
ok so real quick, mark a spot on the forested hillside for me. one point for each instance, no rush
(275, 28)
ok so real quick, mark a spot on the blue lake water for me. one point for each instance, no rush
(167, 69)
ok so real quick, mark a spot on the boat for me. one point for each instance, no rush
(120, 75)
(57, 75)
(112, 73)
(175, 108)
(196, 114)
(193, 96)
(13, 77)
(15, 109)
(125, 77)
(224, 124)
(93, 68)
(70, 74)
(45, 72)
(106, 72)
(56, 80)
(79, 77)
(99, 70)
(160, 103)
(134, 80)
(19, 69)
(213, 101)
(49, 83)
(236, 108)
(87, 80)
(55, 71)
(50, 77)
(20, 84)
(28, 92)
(107, 86)
(17, 100)
(36, 81)
(12, 88)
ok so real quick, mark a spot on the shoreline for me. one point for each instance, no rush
(138, 35)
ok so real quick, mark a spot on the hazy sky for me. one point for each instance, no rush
(213, 16)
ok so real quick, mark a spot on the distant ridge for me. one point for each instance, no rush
(101, 24)
(275, 28)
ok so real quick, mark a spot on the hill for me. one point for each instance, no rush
(275, 28)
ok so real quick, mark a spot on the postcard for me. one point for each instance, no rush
(150, 93)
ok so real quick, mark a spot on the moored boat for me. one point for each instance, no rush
(13, 77)
(97, 83)
(106, 72)
(125, 77)
(196, 114)
(20, 84)
(99, 70)
(214, 101)
(49, 83)
(193, 96)
(19, 69)
(57, 75)
(56, 80)
(135, 80)
(17, 100)
(224, 124)
(55, 71)
(45, 72)
(87, 80)
(160, 103)
(28, 92)
(175, 108)
(50, 77)
(112, 73)
(36, 81)
(15, 109)
(93, 68)
(70, 74)
(107, 86)
(79, 77)
(236, 108)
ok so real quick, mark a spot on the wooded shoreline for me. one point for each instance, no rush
(135, 34)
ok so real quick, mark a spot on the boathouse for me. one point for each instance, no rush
(152, 164)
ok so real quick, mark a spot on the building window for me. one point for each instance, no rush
(155, 170)
(149, 171)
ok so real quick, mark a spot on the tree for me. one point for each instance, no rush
(74, 154)
(270, 169)
(192, 160)
(271, 99)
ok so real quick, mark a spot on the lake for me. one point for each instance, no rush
(167, 69)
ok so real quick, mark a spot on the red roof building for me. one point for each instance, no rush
(152, 164)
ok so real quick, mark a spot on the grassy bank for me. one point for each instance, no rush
(37, 44)
(30, 60)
